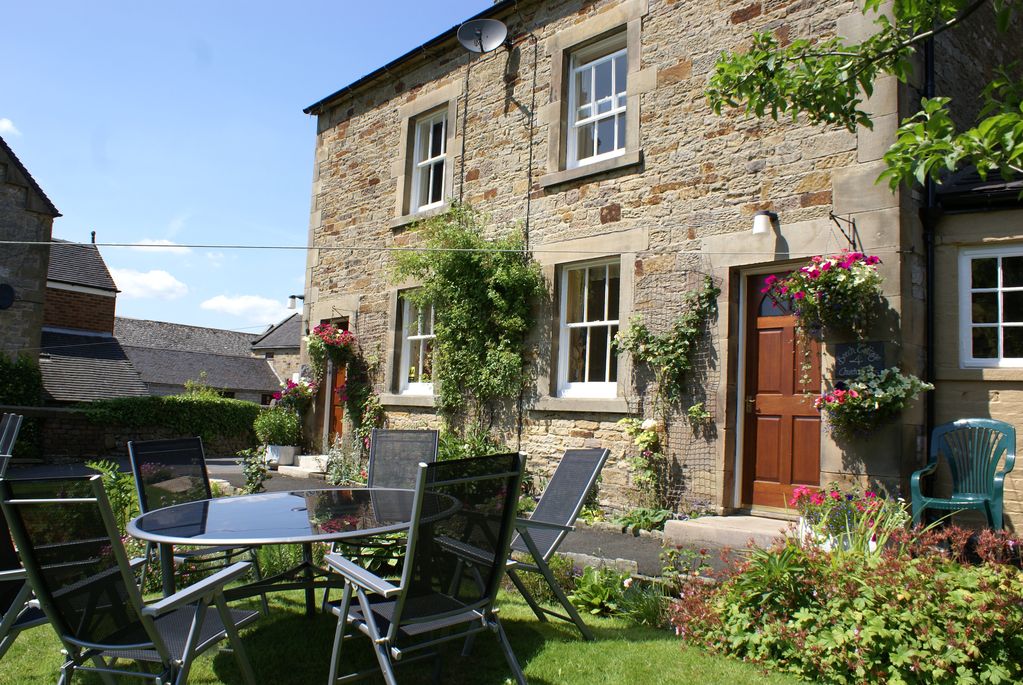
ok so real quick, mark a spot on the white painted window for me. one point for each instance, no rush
(429, 154)
(991, 307)
(587, 364)
(416, 349)
(596, 103)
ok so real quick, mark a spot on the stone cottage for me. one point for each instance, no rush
(589, 130)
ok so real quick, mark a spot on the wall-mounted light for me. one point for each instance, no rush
(763, 221)
(293, 300)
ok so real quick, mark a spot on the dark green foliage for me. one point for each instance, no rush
(254, 469)
(21, 385)
(476, 442)
(671, 354)
(643, 518)
(201, 414)
(120, 489)
(561, 567)
(278, 426)
(483, 292)
(599, 591)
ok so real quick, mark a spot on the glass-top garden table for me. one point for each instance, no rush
(299, 517)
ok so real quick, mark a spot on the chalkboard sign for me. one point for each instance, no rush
(851, 357)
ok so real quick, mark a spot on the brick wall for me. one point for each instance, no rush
(84, 311)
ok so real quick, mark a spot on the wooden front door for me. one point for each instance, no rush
(337, 404)
(782, 438)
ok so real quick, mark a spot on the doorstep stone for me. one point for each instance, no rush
(736, 532)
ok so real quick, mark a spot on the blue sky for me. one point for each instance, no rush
(181, 122)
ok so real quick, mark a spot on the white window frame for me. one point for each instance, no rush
(594, 388)
(966, 290)
(589, 59)
(432, 165)
(407, 340)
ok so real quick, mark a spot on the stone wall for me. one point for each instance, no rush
(79, 310)
(681, 207)
(23, 267)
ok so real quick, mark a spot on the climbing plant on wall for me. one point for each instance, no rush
(483, 292)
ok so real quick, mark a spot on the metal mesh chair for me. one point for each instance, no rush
(973, 449)
(451, 574)
(17, 610)
(395, 455)
(169, 472)
(555, 514)
(70, 546)
(10, 424)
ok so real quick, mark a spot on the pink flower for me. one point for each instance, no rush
(834, 494)
(817, 498)
(798, 295)
(825, 266)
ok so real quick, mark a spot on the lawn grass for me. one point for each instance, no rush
(289, 648)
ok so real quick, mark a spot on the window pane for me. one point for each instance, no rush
(1012, 342)
(613, 372)
(424, 186)
(595, 294)
(605, 135)
(422, 142)
(584, 142)
(414, 319)
(612, 292)
(437, 139)
(437, 183)
(597, 355)
(604, 106)
(602, 74)
(1012, 307)
(426, 325)
(427, 355)
(574, 306)
(414, 356)
(985, 307)
(584, 112)
(1012, 272)
(576, 355)
(985, 343)
(621, 66)
(985, 272)
(620, 143)
(583, 89)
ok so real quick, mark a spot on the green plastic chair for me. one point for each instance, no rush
(973, 449)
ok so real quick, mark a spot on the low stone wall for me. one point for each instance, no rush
(68, 435)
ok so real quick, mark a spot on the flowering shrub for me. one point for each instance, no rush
(868, 400)
(296, 395)
(839, 292)
(650, 462)
(857, 521)
(329, 341)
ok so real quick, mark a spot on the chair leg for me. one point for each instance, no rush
(235, 639)
(380, 647)
(917, 513)
(7, 621)
(188, 654)
(545, 570)
(526, 595)
(254, 554)
(509, 655)
(994, 514)
(339, 633)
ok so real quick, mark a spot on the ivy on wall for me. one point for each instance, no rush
(21, 385)
(483, 292)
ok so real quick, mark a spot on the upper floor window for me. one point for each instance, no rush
(416, 349)
(597, 102)
(429, 155)
(589, 306)
(991, 306)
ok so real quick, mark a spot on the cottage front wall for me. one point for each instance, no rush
(677, 205)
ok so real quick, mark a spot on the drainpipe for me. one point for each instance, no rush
(929, 218)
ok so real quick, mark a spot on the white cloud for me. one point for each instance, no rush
(252, 308)
(7, 126)
(216, 259)
(156, 284)
(159, 245)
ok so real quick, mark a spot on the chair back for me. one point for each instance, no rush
(455, 563)
(394, 456)
(8, 562)
(169, 472)
(10, 424)
(72, 553)
(973, 449)
(563, 498)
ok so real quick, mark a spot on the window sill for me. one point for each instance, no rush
(581, 405)
(402, 221)
(392, 400)
(620, 162)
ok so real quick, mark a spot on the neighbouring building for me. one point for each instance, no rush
(590, 131)
(281, 345)
(27, 215)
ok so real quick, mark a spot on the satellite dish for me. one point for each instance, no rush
(482, 35)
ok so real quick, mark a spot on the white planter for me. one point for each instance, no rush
(281, 455)
(826, 542)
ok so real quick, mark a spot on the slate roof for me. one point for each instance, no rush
(286, 334)
(966, 190)
(38, 201)
(81, 368)
(78, 264)
(175, 336)
(170, 353)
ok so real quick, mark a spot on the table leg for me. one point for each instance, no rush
(310, 595)
(167, 569)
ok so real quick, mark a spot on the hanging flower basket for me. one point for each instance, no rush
(296, 396)
(327, 341)
(838, 293)
(868, 401)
